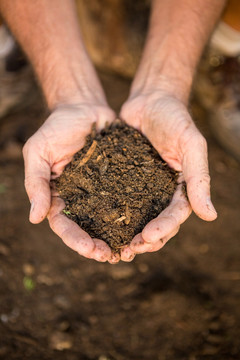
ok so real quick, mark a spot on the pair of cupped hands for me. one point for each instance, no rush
(165, 121)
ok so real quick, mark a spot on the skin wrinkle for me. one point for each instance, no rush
(27, 150)
(54, 220)
(44, 174)
(155, 122)
(103, 256)
(139, 241)
(186, 140)
(58, 167)
(188, 162)
(29, 178)
(173, 220)
(192, 179)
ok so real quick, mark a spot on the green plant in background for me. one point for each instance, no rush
(2, 188)
(28, 283)
(67, 212)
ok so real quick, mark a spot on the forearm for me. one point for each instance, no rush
(178, 31)
(49, 34)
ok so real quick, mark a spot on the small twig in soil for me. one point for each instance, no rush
(88, 154)
(128, 215)
(166, 186)
(120, 219)
(147, 162)
(120, 246)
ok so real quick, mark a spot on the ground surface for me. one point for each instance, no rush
(181, 303)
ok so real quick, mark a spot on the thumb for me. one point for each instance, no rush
(37, 177)
(196, 175)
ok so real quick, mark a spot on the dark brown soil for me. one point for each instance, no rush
(116, 184)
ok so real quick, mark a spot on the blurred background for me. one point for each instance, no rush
(181, 303)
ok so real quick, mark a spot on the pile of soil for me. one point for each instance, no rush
(116, 184)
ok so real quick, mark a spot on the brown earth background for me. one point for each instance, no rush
(181, 303)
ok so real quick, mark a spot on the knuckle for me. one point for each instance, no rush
(27, 182)
(202, 180)
(126, 111)
(183, 204)
(202, 142)
(205, 179)
(174, 221)
(26, 148)
(203, 175)
(132, 112)
(85, 247)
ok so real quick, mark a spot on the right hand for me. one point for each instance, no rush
(46, 154)
(166, 122)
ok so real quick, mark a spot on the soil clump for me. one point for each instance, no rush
(116, 184)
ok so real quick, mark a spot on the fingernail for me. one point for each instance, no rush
(114, 258)
(130, 257)
(32, 206)
(210, 206)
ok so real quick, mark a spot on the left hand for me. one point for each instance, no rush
(165, 121)
(45, 154)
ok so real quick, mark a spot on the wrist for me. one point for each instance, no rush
(164, 77)
(176, 37)
(49, 33)
(71, 83)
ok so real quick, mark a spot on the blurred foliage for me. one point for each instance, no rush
(28, 283)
